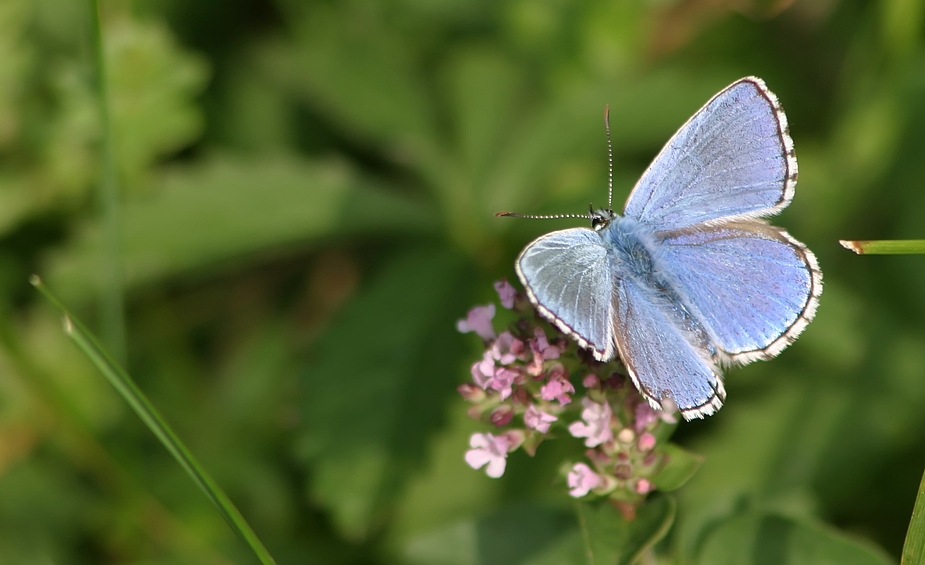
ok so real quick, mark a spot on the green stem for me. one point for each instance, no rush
(914, 548)
(124, 384)
(885, 247)
(111, 297)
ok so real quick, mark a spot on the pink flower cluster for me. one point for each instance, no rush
(625, 462)
(522, 386)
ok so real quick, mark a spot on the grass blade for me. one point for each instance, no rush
(124, 384)
(885, 247)
(914, 548)
(111, 292)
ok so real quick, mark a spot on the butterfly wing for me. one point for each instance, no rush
(569, 278)
(733, 159)
(752, 286)
(664, 359)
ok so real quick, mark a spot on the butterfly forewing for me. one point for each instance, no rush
(568, 276)
(732, 159)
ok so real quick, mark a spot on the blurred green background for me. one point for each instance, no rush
(308, 190)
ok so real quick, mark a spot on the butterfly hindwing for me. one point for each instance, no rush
(664, 360)
(752, 286)
(732, 159)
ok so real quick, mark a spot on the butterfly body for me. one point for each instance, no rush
(689, 277)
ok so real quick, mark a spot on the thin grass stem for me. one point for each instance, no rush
(885, 247)
(112, 300)
(133, 395)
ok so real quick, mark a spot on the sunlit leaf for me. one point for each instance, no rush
(769, 538)
(225, 210)
(153, 85)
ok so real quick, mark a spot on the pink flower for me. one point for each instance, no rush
(538, 420)
(591, 381)
(471, 392)
(540, 345)
(507, 349)
(643, 486)
(484, 370)
(581, 479)
(506, 293)
(542, 351)
(489, 451)
(478, 320)
(502, 415)
(646, 442)
(557, 387)
(646, 415)
(503, 381)
(595, 425)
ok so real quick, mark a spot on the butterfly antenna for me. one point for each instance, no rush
(543, 216)
(590, 215)
(609, 158)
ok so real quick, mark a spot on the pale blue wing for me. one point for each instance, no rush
(663, 357)
(733, 159)
(753, 287)
(569, 278)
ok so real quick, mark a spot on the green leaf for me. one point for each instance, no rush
(512, 535)
(485, 92)
(614, 539)
(361, 73)
(538, 535)
(376, 387)
(153, 85)
(227, 209)
(607, 537)
(679, 468)
(448, 490)
(914, 548)
(761, 539)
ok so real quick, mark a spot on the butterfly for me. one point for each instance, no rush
(690, 278)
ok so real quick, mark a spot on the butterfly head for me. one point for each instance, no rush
(600, 218)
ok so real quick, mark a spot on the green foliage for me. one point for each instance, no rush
(308, 191)
(769, 538)
(679, 468)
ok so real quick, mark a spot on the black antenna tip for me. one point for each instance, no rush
(607, 112)
(503, 214)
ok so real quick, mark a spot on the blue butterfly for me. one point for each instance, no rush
(690, 277)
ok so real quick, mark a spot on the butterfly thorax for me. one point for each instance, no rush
(634, 249)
